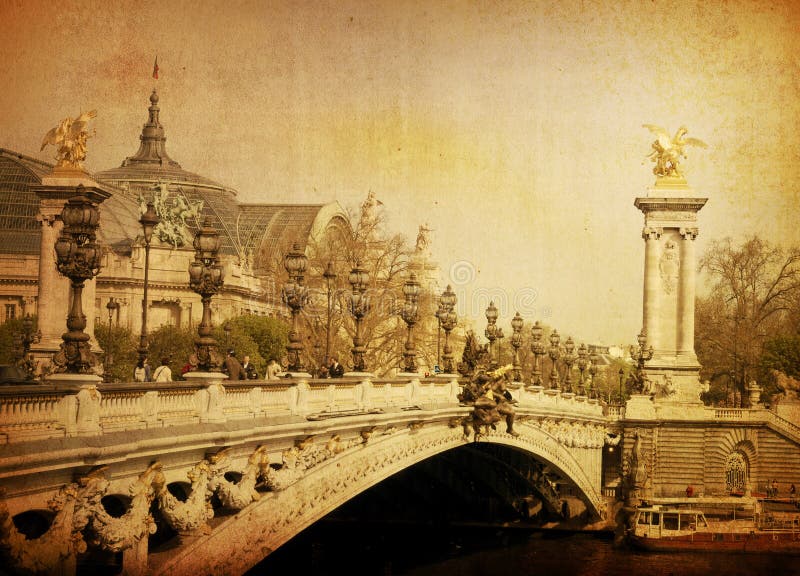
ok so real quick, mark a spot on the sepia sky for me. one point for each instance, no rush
(513, 128)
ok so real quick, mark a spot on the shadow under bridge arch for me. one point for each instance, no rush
(242, 540)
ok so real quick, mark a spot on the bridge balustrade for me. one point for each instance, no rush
(55, 410)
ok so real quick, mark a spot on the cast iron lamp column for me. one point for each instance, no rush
(330, 279)
(641, 355)
(583, 364)
(410, 315)
(22, 346)
(492, 332)
(206, 277)
(538, 351)
(621, 376)
(569, 360)
(359, 306)
(592, 392)
(77, 258)
(555, 353)
(447, 321)
(149, 221)
(516, 342)
(295, 295)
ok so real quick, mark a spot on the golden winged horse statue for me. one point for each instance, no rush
(668, 150)
(69, 139)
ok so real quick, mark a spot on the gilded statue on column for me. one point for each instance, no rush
(667, 151)
(69, 139)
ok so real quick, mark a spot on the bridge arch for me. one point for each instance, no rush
(240, 541)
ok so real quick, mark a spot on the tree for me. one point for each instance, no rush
(173, 343)
(119, 346)
(753, 297)
(260, 337)
(387, 258)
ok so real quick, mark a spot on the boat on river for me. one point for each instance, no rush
(672, 528)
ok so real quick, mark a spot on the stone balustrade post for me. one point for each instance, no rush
(298, 398)
(150, 408)
(211, 397)
(80, 412)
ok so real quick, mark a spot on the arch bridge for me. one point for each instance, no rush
(209, 477)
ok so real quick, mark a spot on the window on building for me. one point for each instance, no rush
(11, 311)
(735, 472)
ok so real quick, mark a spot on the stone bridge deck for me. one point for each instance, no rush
(311, 444)
(236, 469)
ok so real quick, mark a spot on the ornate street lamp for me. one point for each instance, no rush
(583, 364)
(592, 372)
(621, 376)
(569, 360)
(206, 277)
(295, 295)
(22, 346)
(492, 332)
(641, 355)
(538, 351)
(410, 315)
(555, 353)
(359, 306)
(112, 306)
(149, 221)
(226, 327)
(77, 258)
(516, 342)
(330, 280)
(447, 321)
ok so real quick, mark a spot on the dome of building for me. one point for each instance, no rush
(250, 232)
(20, 230)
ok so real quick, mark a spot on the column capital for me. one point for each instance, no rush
(652, 232)
(689, 233)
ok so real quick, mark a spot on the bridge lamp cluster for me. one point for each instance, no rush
(206, 277)
(77, 258)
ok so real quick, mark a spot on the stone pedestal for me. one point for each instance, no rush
(640, 407)
(670, 228)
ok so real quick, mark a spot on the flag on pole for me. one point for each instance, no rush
(155, 69)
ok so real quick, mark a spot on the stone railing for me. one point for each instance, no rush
(758, 414)
(81, 405)
(548, 400)
(75, 405)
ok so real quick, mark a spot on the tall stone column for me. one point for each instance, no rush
(686, 298)
(650, 304)
(670, 226)
(54, 292)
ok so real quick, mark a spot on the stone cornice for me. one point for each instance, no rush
(647, 205)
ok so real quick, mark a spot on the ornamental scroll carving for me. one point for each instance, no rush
(117, 534)
(191, 516)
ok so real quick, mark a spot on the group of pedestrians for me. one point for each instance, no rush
(232, 367)
(143, 373)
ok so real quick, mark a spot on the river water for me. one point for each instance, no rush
(354, 548)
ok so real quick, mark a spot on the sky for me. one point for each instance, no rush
(514, 129)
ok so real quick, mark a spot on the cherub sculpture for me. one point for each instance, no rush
(668, 151)
(69, 139)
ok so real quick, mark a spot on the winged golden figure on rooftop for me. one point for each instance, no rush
(668, 151)
(69, 139)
